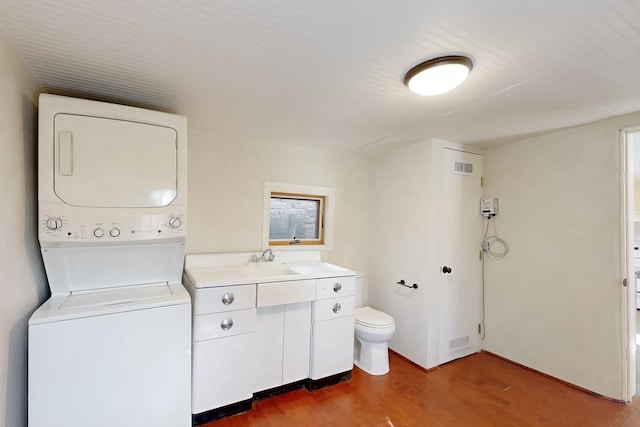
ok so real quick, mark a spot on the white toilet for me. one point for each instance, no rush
(373, 329)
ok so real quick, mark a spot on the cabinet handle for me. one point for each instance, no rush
(226, 323)
(228, 298)
(336, 307)
(337, 287)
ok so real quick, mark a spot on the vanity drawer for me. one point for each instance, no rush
(224, 298)
(219, 325)
(333, 308)
(333, 287)
(289, 292)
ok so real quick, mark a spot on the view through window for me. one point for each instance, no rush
(296, 219)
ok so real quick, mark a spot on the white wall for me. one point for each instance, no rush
(555, 302)
(226, 193)
(22, 280)
(410, 241)
(401, 193)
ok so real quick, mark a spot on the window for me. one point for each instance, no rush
(296, 219)
(297, 216)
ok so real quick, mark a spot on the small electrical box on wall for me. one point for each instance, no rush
(489, 207)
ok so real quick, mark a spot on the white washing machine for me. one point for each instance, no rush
(111, 347)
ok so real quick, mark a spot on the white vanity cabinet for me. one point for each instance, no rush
(283, 333)
(265, 328)
(333, 327)
(224, 321)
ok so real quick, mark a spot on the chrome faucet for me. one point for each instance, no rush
(270, 257)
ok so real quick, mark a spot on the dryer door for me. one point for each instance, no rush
(103, 162)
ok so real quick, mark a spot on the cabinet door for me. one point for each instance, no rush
(332, 347)
(297, 342)
(222, 372)
(268, 347)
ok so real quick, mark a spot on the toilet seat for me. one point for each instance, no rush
(371, 318)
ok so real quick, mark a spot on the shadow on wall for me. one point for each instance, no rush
(16, 404)
(30, 132)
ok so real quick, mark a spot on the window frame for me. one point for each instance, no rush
(305, 192)
(320, 221)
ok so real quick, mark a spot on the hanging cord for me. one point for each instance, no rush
(489, 241)
(487, 250)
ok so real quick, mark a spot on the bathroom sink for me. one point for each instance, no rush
(255, 272)
(266, 269)
(320, 269)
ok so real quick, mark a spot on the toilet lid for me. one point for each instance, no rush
(367, 316)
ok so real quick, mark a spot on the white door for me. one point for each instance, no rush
(460, 266)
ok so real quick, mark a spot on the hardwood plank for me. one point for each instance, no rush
(479, 390)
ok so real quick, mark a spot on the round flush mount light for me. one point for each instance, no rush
(438, 75)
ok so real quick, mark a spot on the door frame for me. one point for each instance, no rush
(627, 268)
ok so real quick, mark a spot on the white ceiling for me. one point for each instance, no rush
(329, 73)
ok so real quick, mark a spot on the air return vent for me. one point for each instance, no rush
(462, 168)
(457, 344)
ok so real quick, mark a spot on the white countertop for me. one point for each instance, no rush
(211, 270)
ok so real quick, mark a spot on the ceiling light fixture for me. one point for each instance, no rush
(438, 75)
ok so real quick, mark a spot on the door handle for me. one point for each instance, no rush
(446, 269)
(65, 153)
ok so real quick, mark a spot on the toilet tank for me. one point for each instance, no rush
(361, 289)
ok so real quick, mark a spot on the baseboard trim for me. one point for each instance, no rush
(556, 379)
(313, 385)
(222, 412)
(247, 405)
(277, 391)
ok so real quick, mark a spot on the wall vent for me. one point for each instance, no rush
(458, 344)
(462, 168)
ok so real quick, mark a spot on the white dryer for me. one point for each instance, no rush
(111, 347)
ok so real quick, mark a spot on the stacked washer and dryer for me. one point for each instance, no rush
(111, 347)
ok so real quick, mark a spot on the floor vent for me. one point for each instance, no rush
(462, 168)
(457, 344)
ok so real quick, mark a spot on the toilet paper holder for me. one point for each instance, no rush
(403, 283)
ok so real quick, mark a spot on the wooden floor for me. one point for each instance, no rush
(479, 390)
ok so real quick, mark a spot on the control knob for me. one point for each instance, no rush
(114, 232)
(54, 223)
(98, 232)
(175, 222)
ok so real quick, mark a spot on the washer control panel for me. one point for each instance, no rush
(59, 228)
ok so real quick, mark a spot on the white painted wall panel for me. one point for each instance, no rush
(402, 213)
(554, 303)
(22, 281)
(226, 193)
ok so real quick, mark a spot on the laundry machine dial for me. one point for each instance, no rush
(175, 222)
(98, 232)
(114, 232)
(54, 223)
